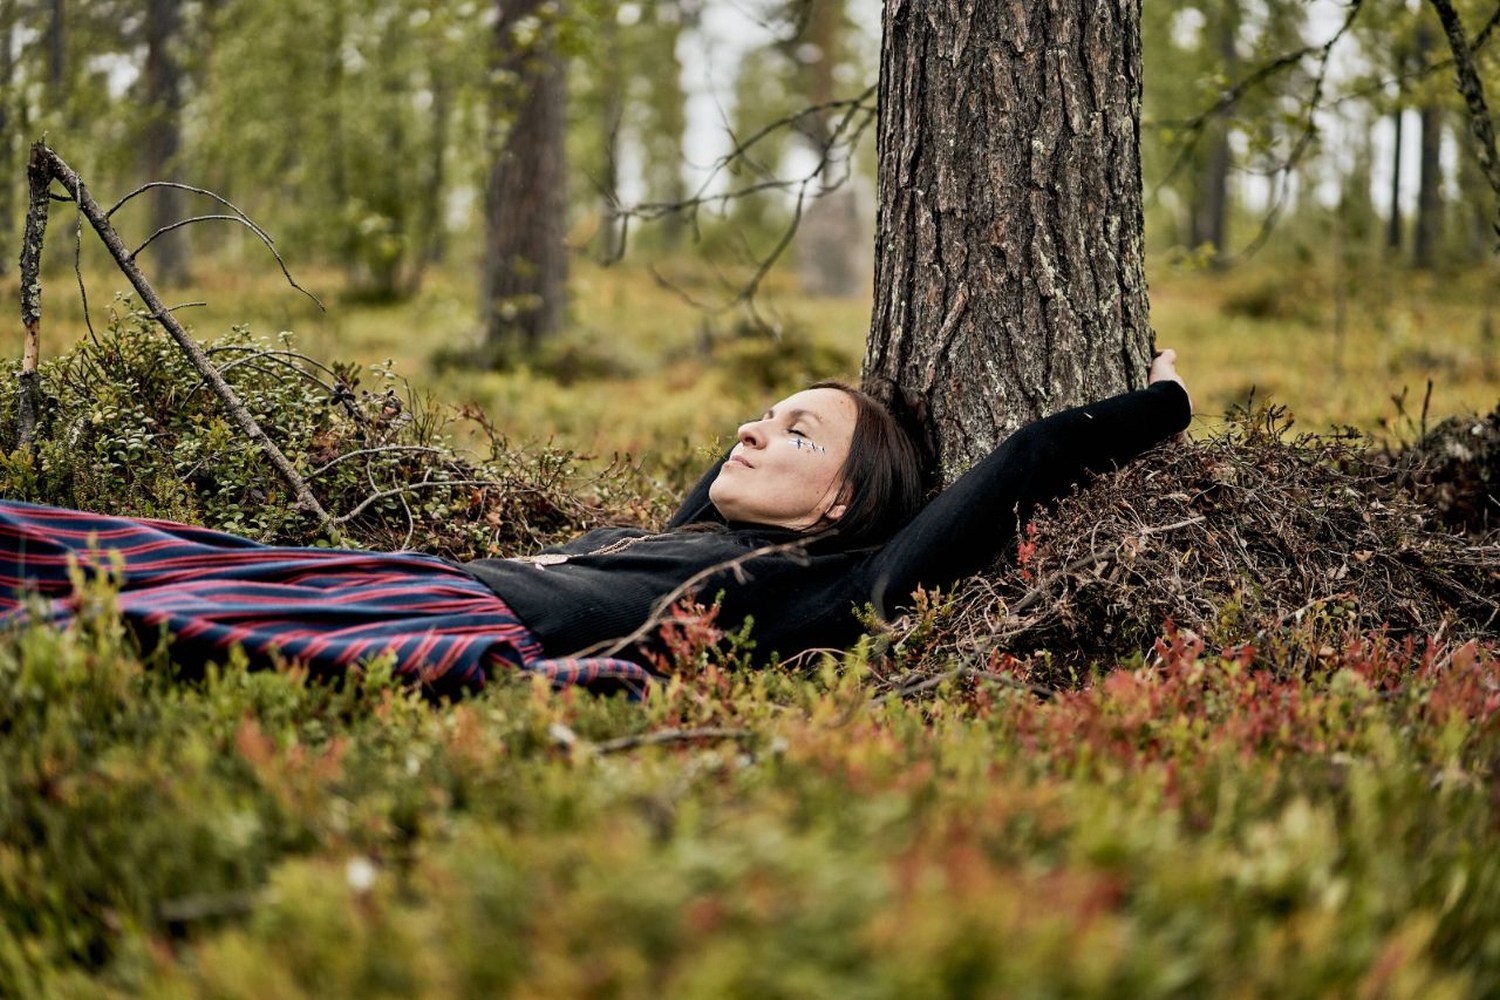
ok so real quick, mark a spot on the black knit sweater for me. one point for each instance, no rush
(802, 594)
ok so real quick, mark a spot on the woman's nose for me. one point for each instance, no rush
(752, 434)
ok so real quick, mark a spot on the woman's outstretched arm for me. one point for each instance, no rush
(972, 522)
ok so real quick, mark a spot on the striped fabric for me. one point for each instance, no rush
(330, 609)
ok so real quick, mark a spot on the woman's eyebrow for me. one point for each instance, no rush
(793, 415)
(799, 413)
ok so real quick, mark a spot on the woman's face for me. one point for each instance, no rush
(785, 469)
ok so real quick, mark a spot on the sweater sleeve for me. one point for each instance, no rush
(969, 525)
(696, 506)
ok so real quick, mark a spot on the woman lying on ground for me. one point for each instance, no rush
(815, 512)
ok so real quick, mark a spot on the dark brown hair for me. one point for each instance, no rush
(884, 476)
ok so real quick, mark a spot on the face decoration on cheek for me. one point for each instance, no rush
(785, 470)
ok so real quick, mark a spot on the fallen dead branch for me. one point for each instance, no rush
(45, 168)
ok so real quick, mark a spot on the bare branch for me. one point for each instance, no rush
(1481, 126)
(384, 450)
(31, 296)
(665, 603)
(282, 358)
(1482, 39)
(854, 117)
(236, 216)
(88, 208)
(1304, 140)
(406, 488)
(1230, 96)
(665, 736)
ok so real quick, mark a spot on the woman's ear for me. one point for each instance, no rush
(837, 511)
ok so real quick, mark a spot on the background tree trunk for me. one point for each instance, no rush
(1010, 276)
(525, 261)
(1429, 216)
(1213, 228)
(163, 80)
(434, 233)
(57, 49)
(832, 259)
(1393, 231)
(1429, 220)
(667, 112)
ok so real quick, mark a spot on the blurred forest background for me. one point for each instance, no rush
(703, 169)
(1228, 726)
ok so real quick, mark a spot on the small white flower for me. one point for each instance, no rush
(361, 874)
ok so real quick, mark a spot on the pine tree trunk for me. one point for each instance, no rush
(665, 183)
(1215, 225)
(1429, 221)
(1010, 277)
(525, 259)
(1429, 172)
(1393, 230)
(162, 139)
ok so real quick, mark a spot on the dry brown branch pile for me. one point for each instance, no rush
(1250, 536)
(1455, 469)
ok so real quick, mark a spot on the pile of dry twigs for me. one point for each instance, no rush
(1455, 469)
(1251, 536)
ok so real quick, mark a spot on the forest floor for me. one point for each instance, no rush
(1230, 726)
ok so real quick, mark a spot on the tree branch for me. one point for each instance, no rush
(235, 216)
(31, 296)
(851, 117)
(664, 604)
(1194, 127)
(1481, 126)
(52, 167)
(662, 737)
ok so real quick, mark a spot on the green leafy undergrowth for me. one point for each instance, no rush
(129, 426)
(1188, 825)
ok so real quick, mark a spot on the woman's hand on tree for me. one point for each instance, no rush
(1164, 369)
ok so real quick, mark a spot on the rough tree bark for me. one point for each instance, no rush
(525, 265)
(1010, 277)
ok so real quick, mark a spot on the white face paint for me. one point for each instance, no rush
(785, 469)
